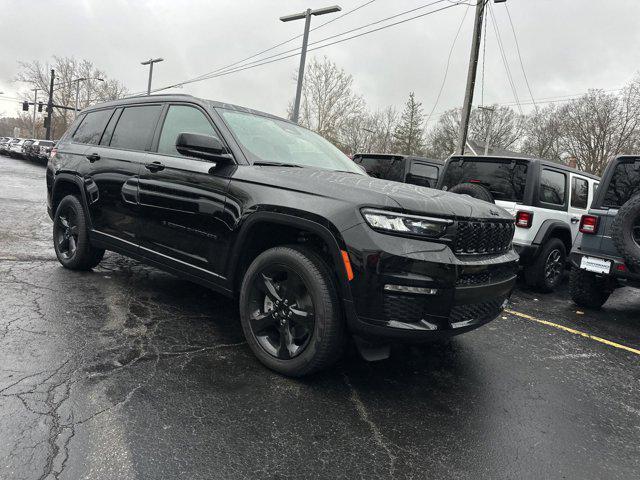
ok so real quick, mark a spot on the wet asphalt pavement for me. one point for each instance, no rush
(128, 372)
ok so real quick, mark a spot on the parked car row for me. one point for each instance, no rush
(30, 148)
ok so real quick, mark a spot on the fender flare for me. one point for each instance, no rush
(547, 228)
(333, 240)
(64, 177)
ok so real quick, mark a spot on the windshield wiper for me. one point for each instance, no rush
(277, 164)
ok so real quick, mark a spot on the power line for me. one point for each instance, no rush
(278, 57)
(494, 23)
(484, 57)
(285, 42)
(446, 70)
(515, 37)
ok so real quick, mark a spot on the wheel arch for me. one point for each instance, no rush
(554, 229)
(263, 230)
(67, 184)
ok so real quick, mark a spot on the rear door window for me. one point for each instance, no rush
(505, 179)
(135, 127)
(90, 129)
(579, 192)
(552, 187)
(624, 184)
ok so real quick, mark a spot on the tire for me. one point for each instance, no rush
(546, 272)
(589, 290)
(71, 237)
(301, 277)
(625, 232)
(473, 190)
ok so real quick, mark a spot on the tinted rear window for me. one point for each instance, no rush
(91, 127)
(505, 180)
(135, 127)
(625, 183)
(388, 168)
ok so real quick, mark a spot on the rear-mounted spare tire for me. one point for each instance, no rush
(473, 190)
(625, 232)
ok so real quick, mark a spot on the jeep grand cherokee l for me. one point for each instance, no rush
(257, 207)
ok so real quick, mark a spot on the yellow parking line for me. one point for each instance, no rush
(575, 332)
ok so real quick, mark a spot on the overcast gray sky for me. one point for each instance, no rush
(567, 46)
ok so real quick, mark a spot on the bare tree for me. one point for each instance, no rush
(67, 70)
(328, 99)
(598, 126)
(409, 132)
(543, 133)
(506, 130)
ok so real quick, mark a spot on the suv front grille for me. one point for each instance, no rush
(476, 312)
(487, 276)
(483, 237)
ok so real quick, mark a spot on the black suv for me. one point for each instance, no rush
(607, 252)
(257, 207)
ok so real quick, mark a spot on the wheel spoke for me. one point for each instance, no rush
(63, 245)
(74, 230)
(72, 245)
(64, 222)
(303, 318)
(261, 321)
(285, 340)
(271, 291)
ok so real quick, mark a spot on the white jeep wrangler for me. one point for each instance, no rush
(547, 200)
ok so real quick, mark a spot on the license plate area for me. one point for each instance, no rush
(595, 265)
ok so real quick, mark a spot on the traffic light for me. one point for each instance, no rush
(25, 106)
(39, 106)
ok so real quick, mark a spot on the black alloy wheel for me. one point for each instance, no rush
(282, 317)
(290, 311)
(553, 267)
(67, 230)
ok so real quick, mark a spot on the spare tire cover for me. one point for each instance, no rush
(473, 190)
(625, 232)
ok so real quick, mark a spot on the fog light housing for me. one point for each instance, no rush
(407, 289)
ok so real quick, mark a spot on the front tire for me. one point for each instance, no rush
(588, 290)
(290, 312)
(547, 270)
(71, 236)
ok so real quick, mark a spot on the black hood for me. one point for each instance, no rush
(362, 190)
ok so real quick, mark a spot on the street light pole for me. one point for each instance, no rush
(303, 54)
(150, 62)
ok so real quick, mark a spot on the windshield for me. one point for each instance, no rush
(505, 179)
(624, 184)
(266, 139)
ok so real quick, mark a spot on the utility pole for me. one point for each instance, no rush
(35, 103)
(50, 106)
(471, 75)
(303, 54)
(490, 124)
(150, 62)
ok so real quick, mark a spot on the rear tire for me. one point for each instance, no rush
(625, 232)
(546, 272)
(289, 293)
(589, 290)
(71, 236)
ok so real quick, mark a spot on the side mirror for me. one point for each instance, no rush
(201, 146)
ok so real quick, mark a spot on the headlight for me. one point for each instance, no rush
(405, 224)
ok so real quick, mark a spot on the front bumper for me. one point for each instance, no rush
(468, 291)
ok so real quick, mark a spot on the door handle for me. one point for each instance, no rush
(154, 166)
(93, 157)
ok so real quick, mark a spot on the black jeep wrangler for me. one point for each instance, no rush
(606, 254)
(257, 207)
